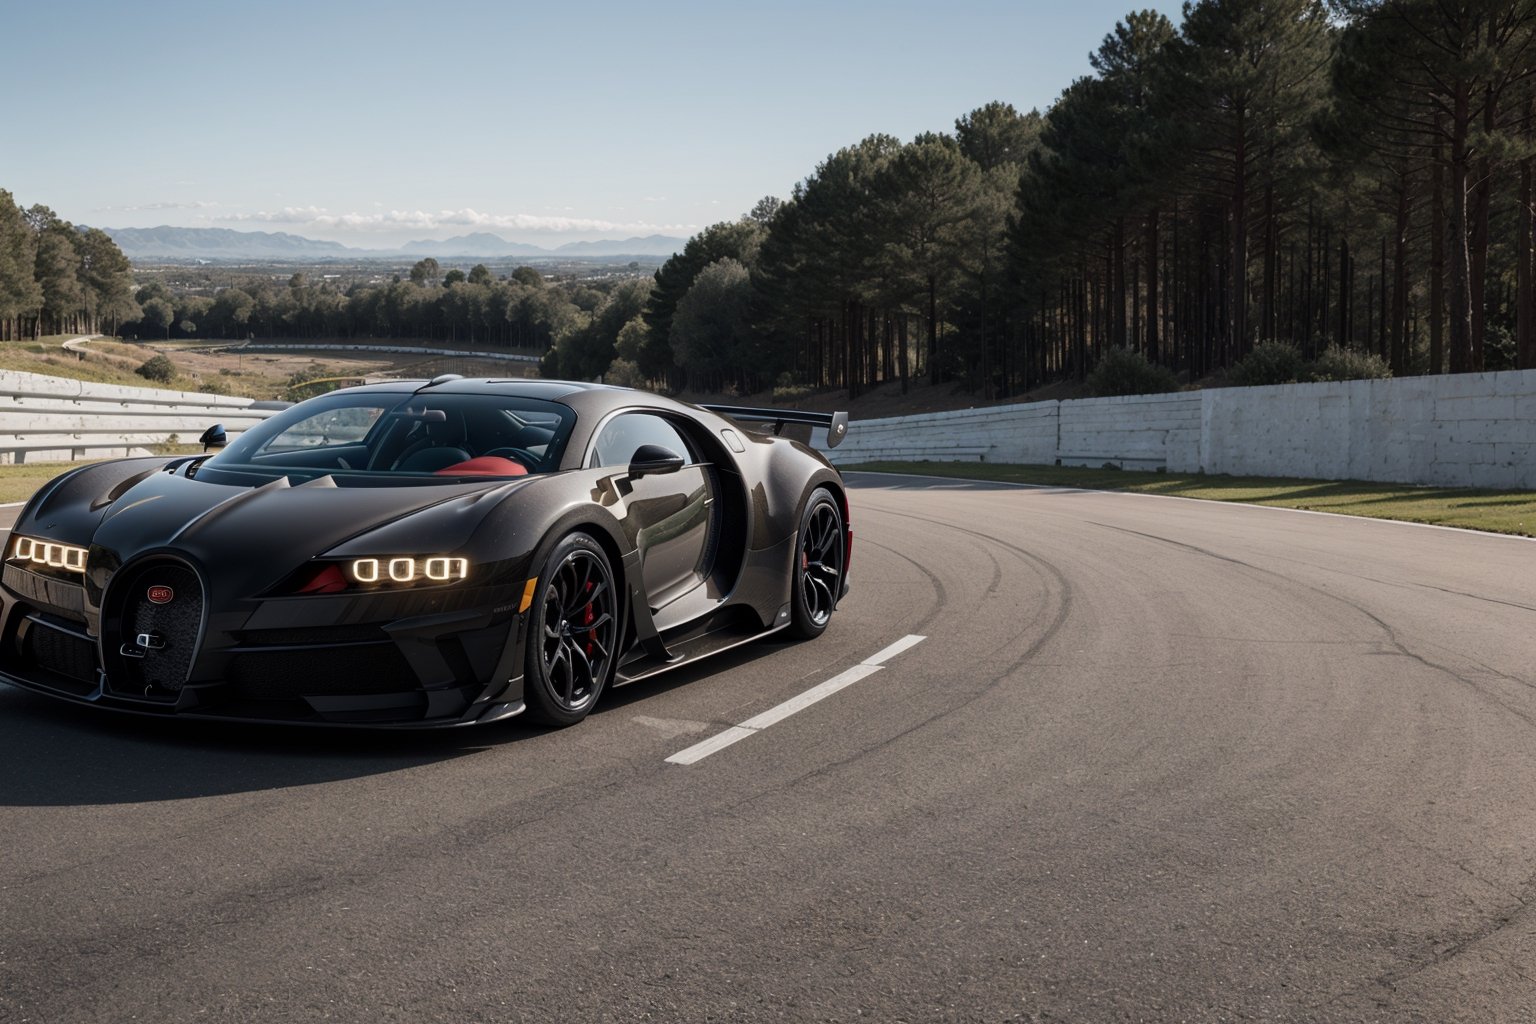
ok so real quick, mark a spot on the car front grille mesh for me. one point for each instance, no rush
(159, 616)
(61, 653)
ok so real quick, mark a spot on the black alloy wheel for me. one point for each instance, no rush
(572, 634)
(819, 555)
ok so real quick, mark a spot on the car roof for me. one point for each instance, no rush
(549, 390)
(576, 394)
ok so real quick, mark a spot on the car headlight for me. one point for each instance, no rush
(35, 553)
(386, 572)
(408, 569)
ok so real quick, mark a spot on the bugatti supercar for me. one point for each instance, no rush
(425, 553)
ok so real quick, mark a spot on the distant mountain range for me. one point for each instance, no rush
(221, 244)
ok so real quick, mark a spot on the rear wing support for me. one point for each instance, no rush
(836, 423)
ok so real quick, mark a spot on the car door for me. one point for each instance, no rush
(670, 517)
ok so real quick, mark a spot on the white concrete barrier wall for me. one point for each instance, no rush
(1133, 432)
(51, 419)
(1020, 433)
(1465, 430)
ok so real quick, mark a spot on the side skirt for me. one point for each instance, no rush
(692, 650)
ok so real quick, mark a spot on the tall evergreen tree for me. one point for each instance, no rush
(21, 297)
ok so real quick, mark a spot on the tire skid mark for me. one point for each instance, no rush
(1500, 921)
(1040, 565)
(1522, 896)
(1396, 584)
(1062, 611)
(940, 594)
(1393, 639)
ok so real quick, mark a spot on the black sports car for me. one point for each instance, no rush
(425, 553)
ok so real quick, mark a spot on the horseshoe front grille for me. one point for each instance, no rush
(157, 619)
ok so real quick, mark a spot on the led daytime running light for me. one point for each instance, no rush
(404, 569)
(46, 552)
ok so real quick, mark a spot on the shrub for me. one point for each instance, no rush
(1347, 364)
(158, 368)
(786, 390)
(1123, 372)
(623, 373)
(308, 382)
(792, 393)
(213, 387)
(1273, 362)
(549, 364)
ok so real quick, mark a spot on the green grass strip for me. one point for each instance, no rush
(17, 483)
(1468, 508)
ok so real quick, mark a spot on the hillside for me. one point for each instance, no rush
(167, 242)
(224, 244)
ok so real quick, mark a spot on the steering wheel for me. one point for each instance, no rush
(529, 460)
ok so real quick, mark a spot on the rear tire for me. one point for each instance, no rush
(572, 633)
(820, 553)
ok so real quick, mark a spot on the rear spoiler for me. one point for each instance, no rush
(836, 423)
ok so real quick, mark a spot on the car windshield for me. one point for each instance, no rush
(390, 437)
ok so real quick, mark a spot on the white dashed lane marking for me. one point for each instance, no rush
(757, 723)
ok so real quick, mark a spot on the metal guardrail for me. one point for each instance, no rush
(55, 419)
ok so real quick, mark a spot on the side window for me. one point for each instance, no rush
(623, 435)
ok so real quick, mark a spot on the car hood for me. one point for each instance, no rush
(257, 534)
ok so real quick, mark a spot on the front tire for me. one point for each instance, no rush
(572, 635)
(819, 565)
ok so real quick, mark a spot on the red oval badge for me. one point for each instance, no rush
(161, 595)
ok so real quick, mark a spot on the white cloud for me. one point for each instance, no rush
(422, 220)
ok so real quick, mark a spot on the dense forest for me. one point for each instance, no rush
(1347, 180)
(56, 279)
(1356, 178)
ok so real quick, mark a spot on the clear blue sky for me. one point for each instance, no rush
(376, 123)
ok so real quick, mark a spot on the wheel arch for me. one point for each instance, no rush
(610, 548)
(833, 484)
(610, 541)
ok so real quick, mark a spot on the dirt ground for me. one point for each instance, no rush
(234, 371)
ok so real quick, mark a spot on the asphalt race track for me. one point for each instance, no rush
(1155, 760)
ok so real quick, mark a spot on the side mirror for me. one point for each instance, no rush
(653, 458)
(213, 437)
